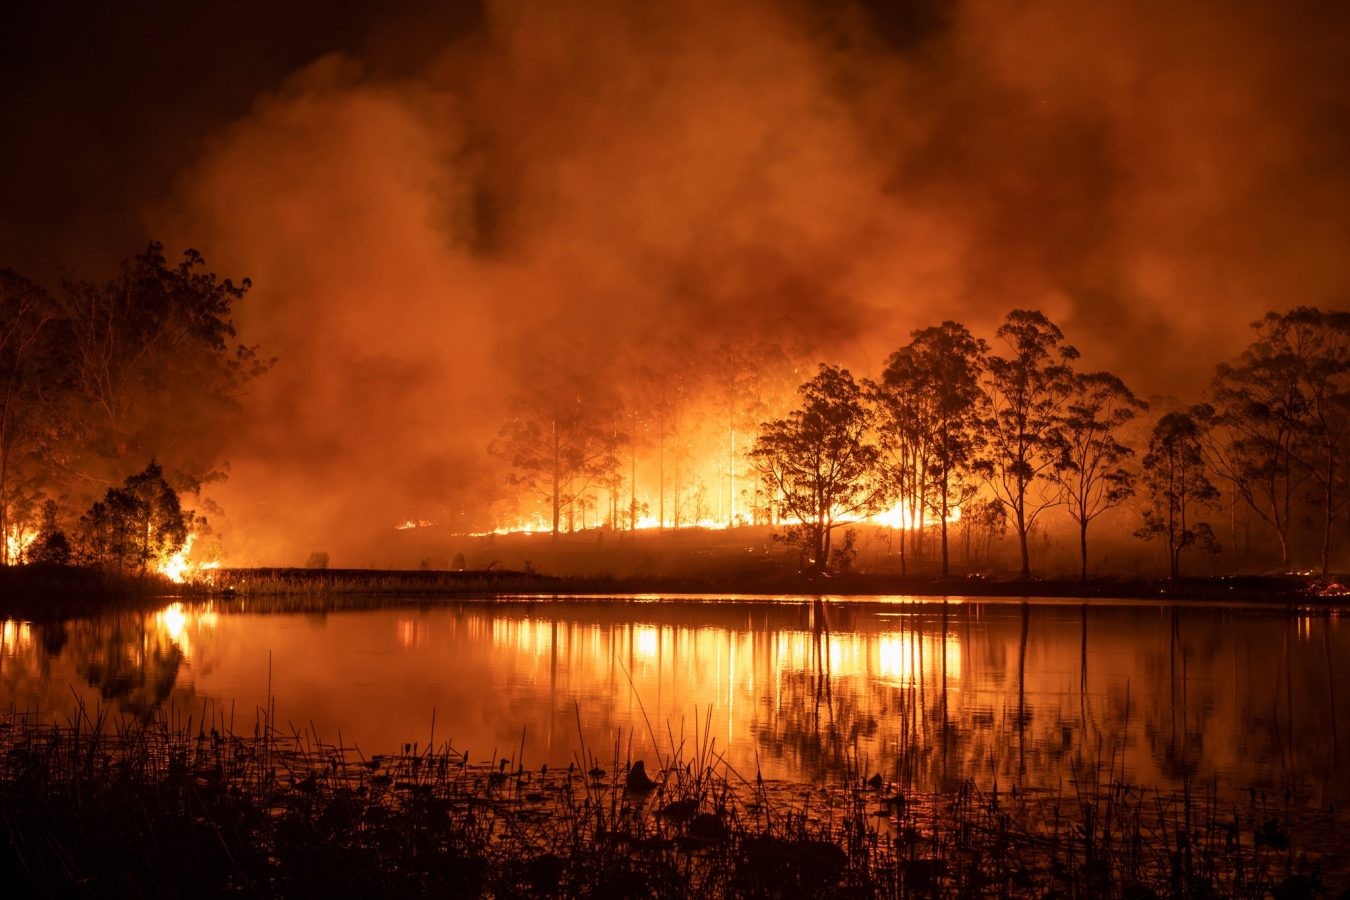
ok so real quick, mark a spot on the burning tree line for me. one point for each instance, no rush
(954, 429)
(99, 378)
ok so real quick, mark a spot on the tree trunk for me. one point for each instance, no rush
(4, 523)
(904, 570)
(942, 513)
(1331, 516)
(1082, 546)
(823, 546)
(557, 481)
(679, 486)
(731, 478)
(1022, 537)
(661, 474)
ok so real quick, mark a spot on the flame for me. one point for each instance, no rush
(181, 569)
(644, 523)
(898, 516)
(17, 541)
(414, 523)
(524, 526)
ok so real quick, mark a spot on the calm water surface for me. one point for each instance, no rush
(1033, 694)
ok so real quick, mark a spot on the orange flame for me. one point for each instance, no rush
(180, 568)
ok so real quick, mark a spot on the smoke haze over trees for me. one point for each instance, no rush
(96, 379)
(438, 202)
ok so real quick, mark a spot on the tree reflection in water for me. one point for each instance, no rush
(130, 661)
(134, 666)
(943, 704)
(927, 694)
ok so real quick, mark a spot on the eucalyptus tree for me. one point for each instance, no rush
(982, 520)
(143, 364)
(561, 439)
(134, 525)
(156, 367)
(930, 402)
(818, 462)
(1093, 470)
(1278, 420)
(1023, 440)
(903, 428)
(31, 372)
(1177, 487)
(1325, 338)
(745, 373)
(1253, 420)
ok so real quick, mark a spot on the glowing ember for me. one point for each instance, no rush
(414, 523)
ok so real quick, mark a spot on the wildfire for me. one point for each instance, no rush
(17, 542)
(414, 523)
(524, 526)
(181, 569)
(644, 523)
(897, 517)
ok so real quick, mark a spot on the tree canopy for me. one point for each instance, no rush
(97, 374)
(1026, 389)
(818, 462)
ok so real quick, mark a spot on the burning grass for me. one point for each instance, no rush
(409, 583)
(169, 807)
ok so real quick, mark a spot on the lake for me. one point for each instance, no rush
(1040, 694)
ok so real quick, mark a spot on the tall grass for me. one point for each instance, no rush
(187, 804)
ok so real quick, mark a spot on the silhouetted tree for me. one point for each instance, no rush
(659, 387)
(153, 363)
(1324, 338)
(561, 440)
(981, 521)
(1174, 477)
(134, 525)
(743, 372)
(51, 547)
(930, 402)
(33, 371)
(818, 463)
(1280, 418)
(1026, 392)
(1253, 423)
(1092, 470)
(903, 428)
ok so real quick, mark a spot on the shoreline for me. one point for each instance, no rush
(55, 592)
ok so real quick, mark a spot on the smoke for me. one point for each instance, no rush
(569, 187)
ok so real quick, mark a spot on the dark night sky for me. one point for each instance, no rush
(105, 103)
(433, 198)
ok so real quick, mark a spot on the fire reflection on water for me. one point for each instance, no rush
(181, 624)
(936, 694)
(15, 637)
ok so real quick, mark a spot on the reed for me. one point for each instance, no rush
(189, 803)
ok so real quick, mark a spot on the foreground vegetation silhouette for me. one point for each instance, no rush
(176, 806)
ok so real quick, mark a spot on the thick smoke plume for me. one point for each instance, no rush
(569, 188)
